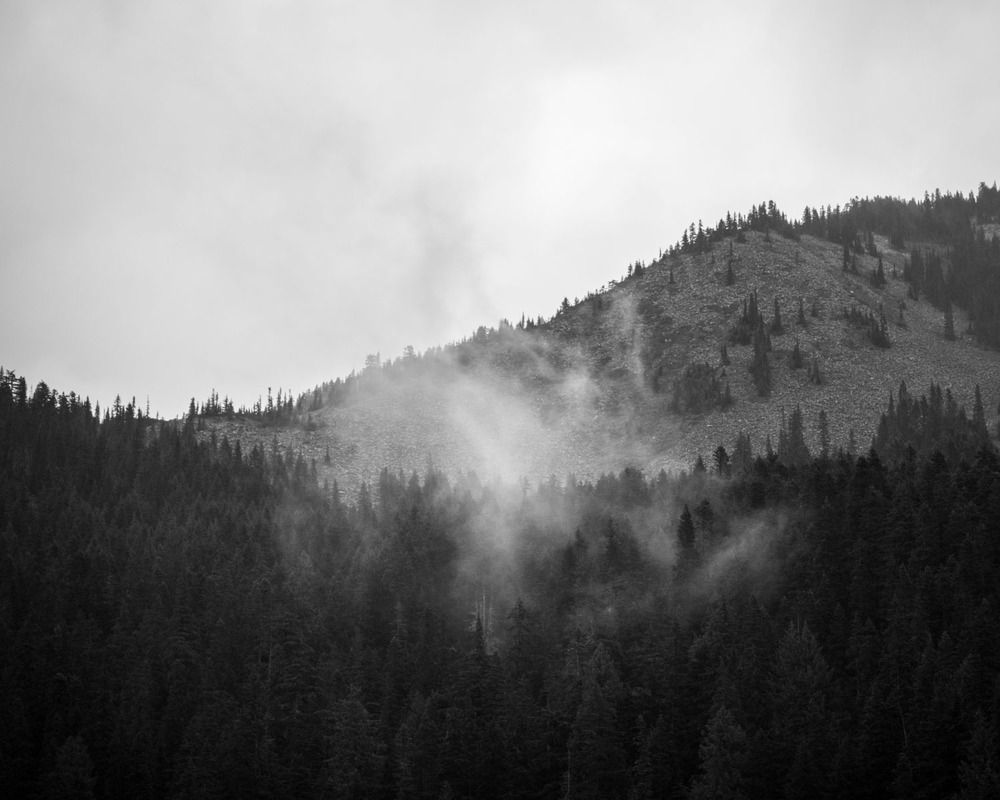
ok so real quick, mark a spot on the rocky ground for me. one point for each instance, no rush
(600, 413)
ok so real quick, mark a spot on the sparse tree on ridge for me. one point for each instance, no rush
(760, 367)
(776, 325)
(796, 359)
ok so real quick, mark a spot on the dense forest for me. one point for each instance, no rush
(179, 618)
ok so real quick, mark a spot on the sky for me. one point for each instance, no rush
(243, 194)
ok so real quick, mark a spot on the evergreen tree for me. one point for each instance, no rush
(742, 454)
(721, 458)
(798, 452)
(815, 376)
(687, 556)
(760, 367)
(796, 359)
(722, 760)
(823, 428)
(776, 326)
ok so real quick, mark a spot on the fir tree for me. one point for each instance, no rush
(742, 459)
(687, 555)
(798, 452)
(815, 376)
(776, 326)
(796, 361)
(721, 460)
(824, 435)
(949, 322)
(760, 367)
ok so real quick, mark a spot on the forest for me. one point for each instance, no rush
(179, 618)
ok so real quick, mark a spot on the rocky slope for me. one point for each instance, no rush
(590, 390)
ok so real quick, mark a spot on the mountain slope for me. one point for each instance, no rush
(593, 389)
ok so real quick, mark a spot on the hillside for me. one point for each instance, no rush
(591, 390)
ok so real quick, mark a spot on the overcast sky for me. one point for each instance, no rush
(236, 194)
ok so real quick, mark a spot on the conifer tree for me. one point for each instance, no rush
(815, 376)
(760, 367)
(722, 759)
(721, 460)
(687, 554)
(742, 459)
(776, 326)
(798, 452)
(824, 435)
(979, 417)
(796, 360)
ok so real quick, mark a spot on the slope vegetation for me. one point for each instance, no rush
(601, 386)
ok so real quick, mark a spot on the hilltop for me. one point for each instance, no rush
(601, 385)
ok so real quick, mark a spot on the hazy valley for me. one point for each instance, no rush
(189, 609)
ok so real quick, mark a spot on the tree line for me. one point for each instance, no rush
(180, 618)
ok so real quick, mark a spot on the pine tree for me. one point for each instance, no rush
(824, 435)
(949, 322)
(979, 771)
(798, 452)
(721, 460)
(815, 376)
(687, 555)
(796, 356)
(722, 757)
(742, 454)
(760, 367)
(776, 326)
(979, 417)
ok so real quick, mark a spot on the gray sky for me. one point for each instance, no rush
(236, 194)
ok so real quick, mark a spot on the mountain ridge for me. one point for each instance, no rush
(594, 389)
